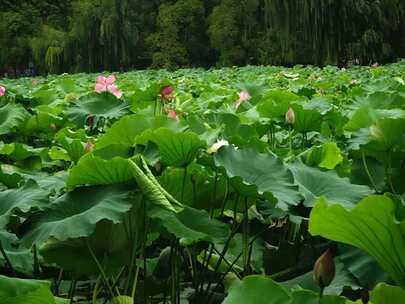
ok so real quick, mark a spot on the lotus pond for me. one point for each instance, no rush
(254, 185)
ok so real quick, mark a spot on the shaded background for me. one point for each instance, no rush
(46, 36)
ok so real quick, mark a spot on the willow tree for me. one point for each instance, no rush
(103, 34)
(323, 32)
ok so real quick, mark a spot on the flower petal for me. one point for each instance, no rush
(110, 80)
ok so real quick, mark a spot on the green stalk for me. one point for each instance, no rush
(245, 238)
(8, 262)
(100, 269)
(370, 177)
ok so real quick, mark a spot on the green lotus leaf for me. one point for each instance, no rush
(251, 172)
(76, 213)
(21, 259)
(306, 120)
(175, 149)
(263, 290)
(11, 117)
(276, 102)
(362, 266)
(314, 183)
(387, 294)
(370, 226)
(19, 291)
(22, 200)
(19, 152)
(103, 105)
(109, 243)
(326, 156)
(94, 170)
(124, 131)
(200, 189)
(190, 225)
(342, 279)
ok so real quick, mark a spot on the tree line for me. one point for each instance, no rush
(47, 36)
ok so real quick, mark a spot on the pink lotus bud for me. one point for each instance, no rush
(375, 65)
(89, 147)
(325, 269)
(290, 116)
(353, 82)
(172, 114)
(2, 91)
(243, 96)
(166, 92)
(34, 82)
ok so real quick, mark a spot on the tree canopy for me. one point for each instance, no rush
(95, 35)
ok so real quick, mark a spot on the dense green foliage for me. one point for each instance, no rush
(95, 35)
(253, 185)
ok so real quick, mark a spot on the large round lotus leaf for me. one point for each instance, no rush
(124, 131)
(326, 156)
(306, 120)
(276, 102)
(20, 258)
(18, 151)
(341, 280)
(314, 183)
(263, 290)
(175, 149)
(94, 170)
(190, 225)
(257, 290)
(23, 199)
(371, 226)
(11, 117)
(103, 105)
(18, 291)
(251, 172)
(362, 266)
(109, 243)
(201, 190)
(387, 294)
(76, 213)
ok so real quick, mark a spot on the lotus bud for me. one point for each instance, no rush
(324, 269)
(88, 147)
(353, 82)
(34, 82)
(2, 91)
(53, 126)
(173, 115)
(290, 116)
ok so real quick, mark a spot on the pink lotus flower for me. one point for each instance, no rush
(89, 147)
(173, 115)
(107, 84)
(375, 65)
(353, 82)
(2, 91)
(243, 96)
(290, 116)
(166, 92)
(34, 82)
